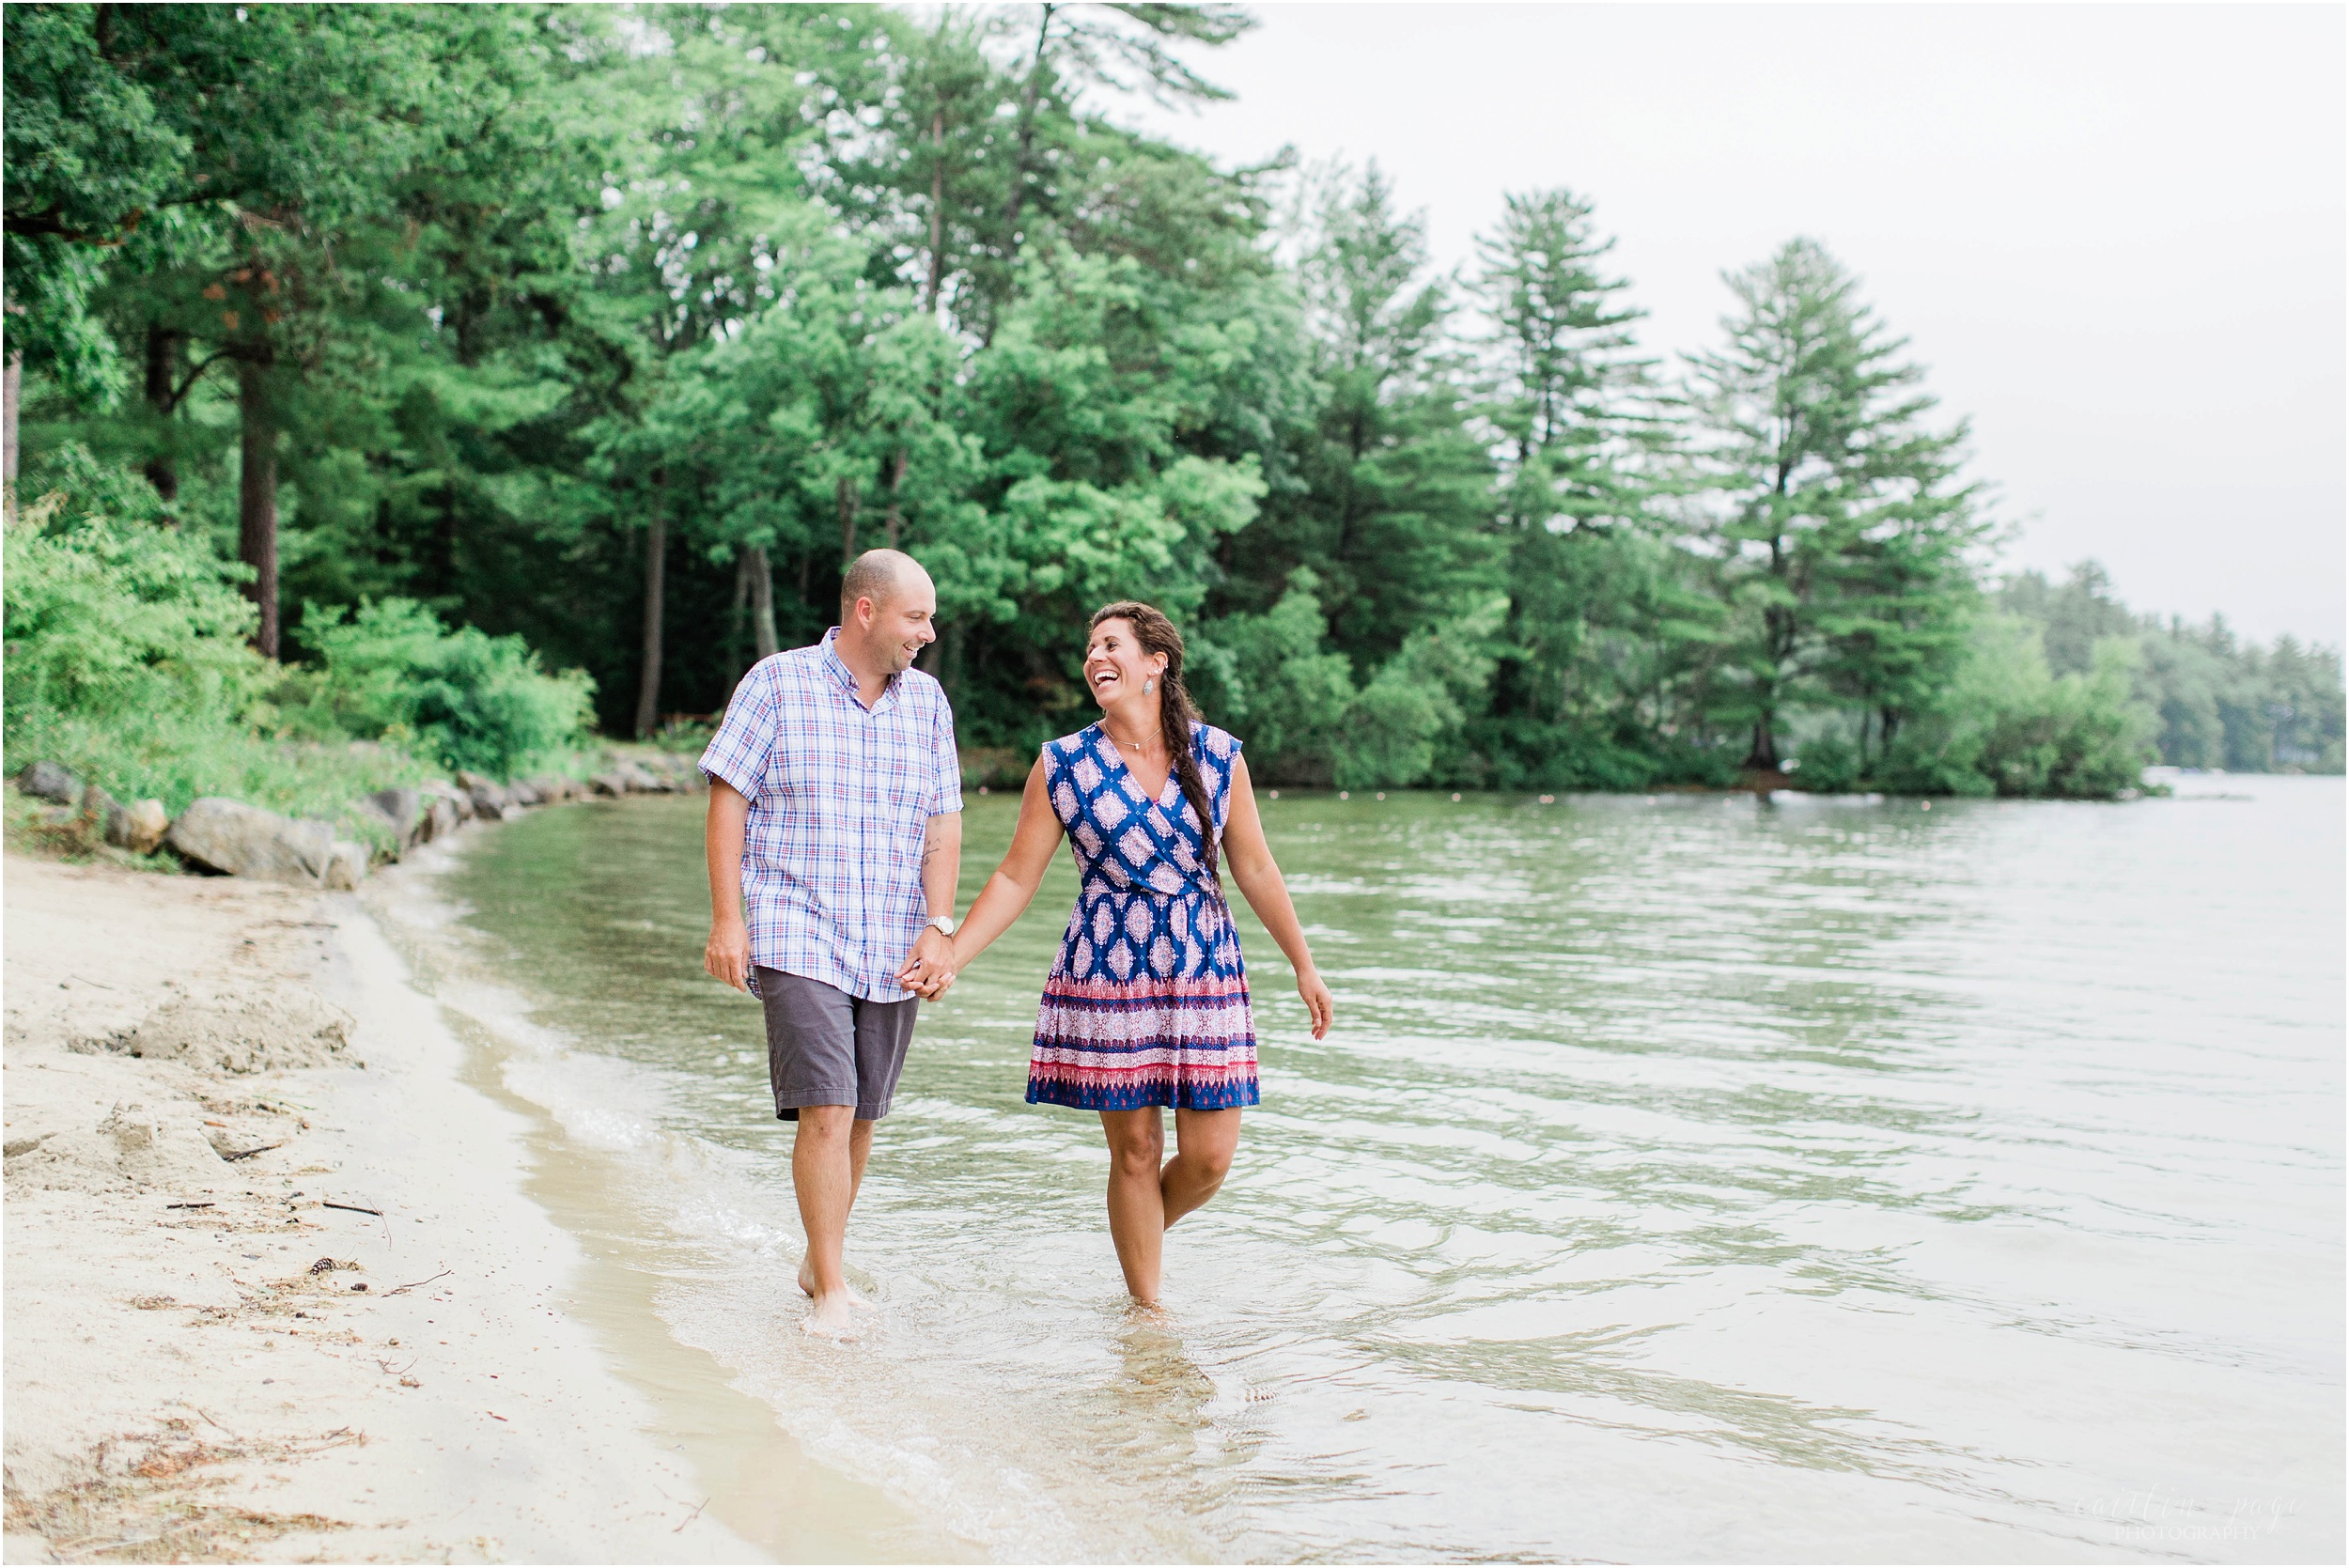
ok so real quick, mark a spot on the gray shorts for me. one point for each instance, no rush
(825, 1047)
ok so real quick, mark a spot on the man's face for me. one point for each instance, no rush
(903, 623)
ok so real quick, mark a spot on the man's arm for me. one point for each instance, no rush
(930, 970)
(728, 954)
(941, 863)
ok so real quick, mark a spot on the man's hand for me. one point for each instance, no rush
(932, 967)
(728, 956)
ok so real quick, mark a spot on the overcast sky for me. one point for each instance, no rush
(2115, 235)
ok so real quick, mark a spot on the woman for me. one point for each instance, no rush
(1147, 1005)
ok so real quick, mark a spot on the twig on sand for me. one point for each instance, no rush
(248, 1154)
(691, 1517)
(412, 1285)
(350, 1208)
(187, 1205)
(113, 1545)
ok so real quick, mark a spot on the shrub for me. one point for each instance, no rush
(462, 698)
(2009, 727)
(1830, 763)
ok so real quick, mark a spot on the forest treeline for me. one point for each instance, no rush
(610, 333)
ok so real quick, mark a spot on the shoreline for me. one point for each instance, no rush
(213, 1382)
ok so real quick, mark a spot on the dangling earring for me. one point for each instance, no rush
(1148, 687)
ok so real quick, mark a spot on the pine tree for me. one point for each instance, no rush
(1834, 517)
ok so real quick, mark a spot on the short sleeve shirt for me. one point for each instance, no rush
(840, 800)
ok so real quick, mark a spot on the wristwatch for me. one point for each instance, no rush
(942, 925)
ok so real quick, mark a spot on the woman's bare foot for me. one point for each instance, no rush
(807, 1285)
(830, 1318)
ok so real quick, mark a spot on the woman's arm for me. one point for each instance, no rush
(1008, 892)
(1249, 859)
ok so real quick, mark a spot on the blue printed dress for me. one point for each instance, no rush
(1147, 1003)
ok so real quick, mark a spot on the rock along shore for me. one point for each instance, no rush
(231, 838)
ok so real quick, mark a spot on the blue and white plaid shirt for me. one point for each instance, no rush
(841, 797)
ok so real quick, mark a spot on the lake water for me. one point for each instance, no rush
(1690, 1177)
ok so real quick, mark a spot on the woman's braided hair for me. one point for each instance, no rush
(1176, 712)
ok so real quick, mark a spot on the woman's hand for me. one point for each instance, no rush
(1316, 997)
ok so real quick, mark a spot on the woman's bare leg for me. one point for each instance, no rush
(1204, 1142)
(1137, 1210)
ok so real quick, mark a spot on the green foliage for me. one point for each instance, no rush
(2008, 726)
(548, 316)
(2221, 702)
(461, 698)
(127, 662)
(117, 621)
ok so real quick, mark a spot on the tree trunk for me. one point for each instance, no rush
(938, 210)
(256, 496)
(896, 482)
(163, 362)
(846, 494)
(1764, 754)
(656, 559)
(1027, 135)
(9, 380)
(738, 612)
(762, 576)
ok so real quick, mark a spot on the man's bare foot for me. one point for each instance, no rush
(830, 1318)
(807, 1285)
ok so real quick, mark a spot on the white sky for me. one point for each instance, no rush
(2117, 236)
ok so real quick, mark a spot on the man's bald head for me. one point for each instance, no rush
(887, 610)
(879, 575)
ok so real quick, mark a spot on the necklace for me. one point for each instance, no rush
(1129, 745)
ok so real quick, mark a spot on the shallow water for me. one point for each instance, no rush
(1691, 1178)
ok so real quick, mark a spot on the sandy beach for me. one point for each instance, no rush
(213, 1349)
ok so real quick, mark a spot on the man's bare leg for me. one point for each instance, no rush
(824, 1175)
(860, 1150)
(1204, 1142)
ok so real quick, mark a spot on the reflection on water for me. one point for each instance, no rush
(1687, 1177)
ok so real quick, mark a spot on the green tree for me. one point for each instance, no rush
(1834, 519)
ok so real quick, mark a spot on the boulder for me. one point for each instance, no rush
(245, 841)
(522, 792)
(144, 825)
(458, 800)
(345, 865)
(51, 781)
(441, 818)
(102, 817)
(403, 811)
(489, 797)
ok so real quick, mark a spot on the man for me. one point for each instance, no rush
(835, 804)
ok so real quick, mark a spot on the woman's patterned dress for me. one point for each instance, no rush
(1147, 1003)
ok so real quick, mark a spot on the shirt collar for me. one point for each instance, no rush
(844, 677)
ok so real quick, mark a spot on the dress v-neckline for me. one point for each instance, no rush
(1119, 754)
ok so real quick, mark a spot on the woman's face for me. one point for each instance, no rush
(1117, 665)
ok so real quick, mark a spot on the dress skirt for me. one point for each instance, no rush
(1147, 1006)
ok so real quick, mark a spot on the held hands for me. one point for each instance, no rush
(931, 970)
(1317, 998)
(728, 956)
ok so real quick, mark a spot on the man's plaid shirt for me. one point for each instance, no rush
(840, 798)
